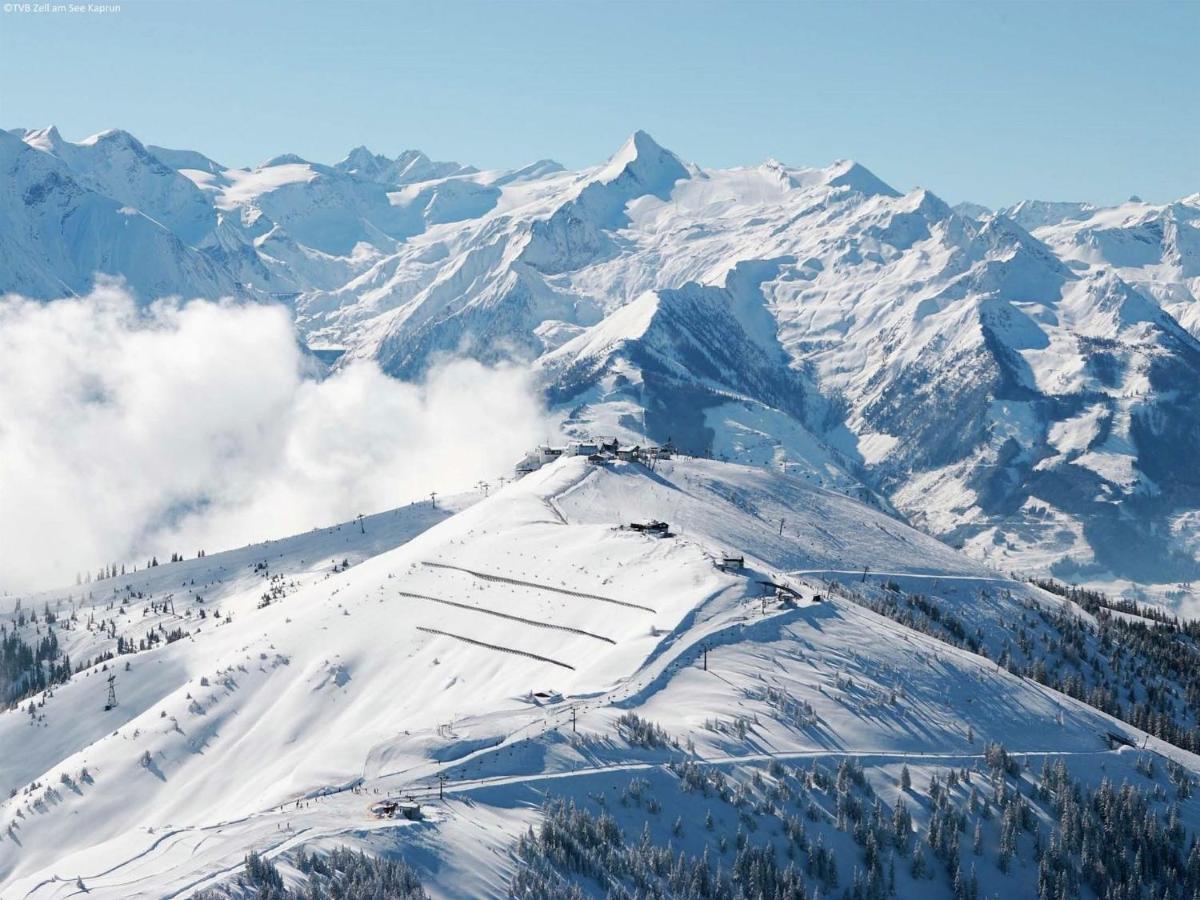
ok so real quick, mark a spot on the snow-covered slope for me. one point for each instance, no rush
(1017, 382)
(58, 229)
(909, 340)
(115, 163)
(531, 644)
(1154, 247)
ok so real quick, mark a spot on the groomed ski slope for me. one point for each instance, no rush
(279, 729)
(231, 583)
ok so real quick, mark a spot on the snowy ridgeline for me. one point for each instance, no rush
(521, 694)
(1021, 382)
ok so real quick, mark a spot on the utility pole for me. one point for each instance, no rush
(781, 521)
(433, 498)
(706, 657)
(865, 570)
(360, 524)
(112, 692)
(572, 718)
(441, 785)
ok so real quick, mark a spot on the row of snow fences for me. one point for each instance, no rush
(496, 647)
(503, 579)
(483, 610)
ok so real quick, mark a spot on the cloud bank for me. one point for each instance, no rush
(126, 432)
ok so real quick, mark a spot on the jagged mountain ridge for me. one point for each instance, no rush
(58, 230)
(1013, 391)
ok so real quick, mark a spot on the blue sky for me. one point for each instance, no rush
(990, 102)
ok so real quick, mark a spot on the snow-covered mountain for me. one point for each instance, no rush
(61, 223)
(576, 707)
(1021, 383)
(409, 167)
(1156, 248)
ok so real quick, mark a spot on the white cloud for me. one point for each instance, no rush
(126, 432)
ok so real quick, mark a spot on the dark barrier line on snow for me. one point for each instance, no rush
(459, 637)
(491, 612)
(533, 584)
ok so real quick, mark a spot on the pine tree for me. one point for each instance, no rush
(917, 868)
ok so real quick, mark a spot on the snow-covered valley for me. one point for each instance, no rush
(855, 698)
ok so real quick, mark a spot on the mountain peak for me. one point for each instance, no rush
(49, 133)
(110, 136)
(643, 160)
(1031, 214)
(362, 162)
(926, 202)
(361, 153)
(186, 159)
(635, 146)
(284, 159)
(643, 142)
(407, 167)
(45, 139)
(972, 210)
(857, 177)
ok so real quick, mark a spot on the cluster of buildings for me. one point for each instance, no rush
(597, 452)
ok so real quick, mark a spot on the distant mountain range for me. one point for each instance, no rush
(1023, 383)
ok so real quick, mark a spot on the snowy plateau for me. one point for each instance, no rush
(848, 664)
